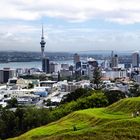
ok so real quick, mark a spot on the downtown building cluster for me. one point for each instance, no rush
(61, 79)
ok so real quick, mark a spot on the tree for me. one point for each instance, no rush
(12, 103)
(48, 102)
(42, 77)
(59, 77)
(19, 113)
(30, 85)
(96, 77)
(114, 95)
(135, 90)
(81, 92)
(0, 107)
(8, 123)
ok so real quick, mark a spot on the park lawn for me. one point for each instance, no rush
(113, 122)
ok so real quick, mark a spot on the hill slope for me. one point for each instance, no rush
(113, 122)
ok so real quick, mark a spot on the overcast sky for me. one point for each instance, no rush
(70, 25)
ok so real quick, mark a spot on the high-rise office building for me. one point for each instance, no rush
(76, 58)
(111, 60)
(45, 65)
(54, 67)
(6, 73)
(115, 61)
(92, 62)
(135, 59)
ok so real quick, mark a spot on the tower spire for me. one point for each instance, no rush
(42, 32)
(42, 43)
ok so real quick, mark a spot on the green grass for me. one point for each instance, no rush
(111, 123)
(127, 105)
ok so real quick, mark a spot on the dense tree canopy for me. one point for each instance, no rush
(12, 103)
(24, 119)
(73, 96)
(114, 95)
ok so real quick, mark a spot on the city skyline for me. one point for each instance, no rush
(75, 25)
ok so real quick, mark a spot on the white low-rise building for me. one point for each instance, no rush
(114, 74)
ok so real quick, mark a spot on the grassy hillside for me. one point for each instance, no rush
(127, 105)
(113, 122)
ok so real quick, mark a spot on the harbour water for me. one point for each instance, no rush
(36, 64)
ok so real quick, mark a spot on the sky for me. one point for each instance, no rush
(70, 25)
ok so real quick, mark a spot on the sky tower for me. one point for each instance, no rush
(45, 60)
(42, 43)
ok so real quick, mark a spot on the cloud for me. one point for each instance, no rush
(20, 24)
(58, 38)
(120, 11)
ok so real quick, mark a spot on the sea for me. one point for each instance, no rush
(37, 64)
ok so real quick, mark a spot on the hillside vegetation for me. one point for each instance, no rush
(113, 122)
